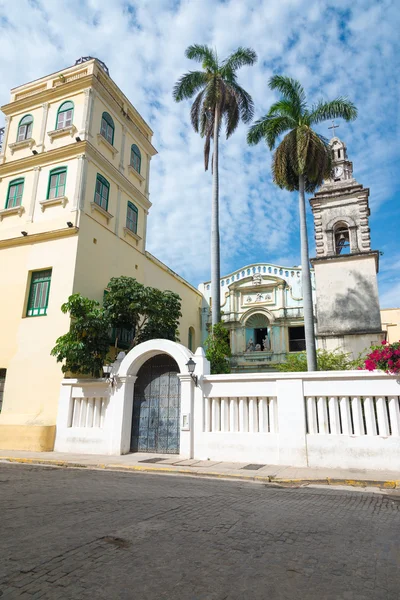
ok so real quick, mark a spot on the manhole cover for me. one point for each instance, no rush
(253, 467)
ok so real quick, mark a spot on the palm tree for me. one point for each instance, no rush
(219, 98)
(300, 162)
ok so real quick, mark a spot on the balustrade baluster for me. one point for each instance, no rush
(383, 421)
(394, 412)
(334, 418)
(323, 425)
(233, 414)
(369, 413)
(312, 415)
(243, 415)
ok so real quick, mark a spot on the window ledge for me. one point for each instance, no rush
(102, 211)
(14, 210)
(138, 176)
(131, 233)
(29, 143)
(102, 140)
(53, 202)
(56, 133)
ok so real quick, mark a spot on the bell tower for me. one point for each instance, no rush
(347, 302)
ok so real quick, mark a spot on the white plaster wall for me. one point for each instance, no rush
(259, 448)
(347, 295)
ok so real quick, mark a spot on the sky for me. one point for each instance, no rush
(343, 48)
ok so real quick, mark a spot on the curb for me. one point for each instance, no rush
(361, 483)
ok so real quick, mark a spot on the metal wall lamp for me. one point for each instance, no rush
(191, 365)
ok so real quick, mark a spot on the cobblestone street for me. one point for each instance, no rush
(68, 533)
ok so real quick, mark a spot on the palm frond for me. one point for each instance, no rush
(189, 84)
(204, 55)
(240, 58)
(231, 113)
(340, 108)
(196, 109)
(285, 108)
(245, 102)
(291, 90)
(269, 128)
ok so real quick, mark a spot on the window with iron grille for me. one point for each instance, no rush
(107, 127)
(2, 383)
(39, 293)
(102, 192)
(132, 217)
(25, 128)
(57, 183)
(65, 115)
(15, 191)
(297, 341)
(136, 158)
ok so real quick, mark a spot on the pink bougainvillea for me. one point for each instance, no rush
(385, 357)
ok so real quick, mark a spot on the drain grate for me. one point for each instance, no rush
(152, 460)
(253, 467)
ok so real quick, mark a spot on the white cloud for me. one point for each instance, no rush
(344, 48)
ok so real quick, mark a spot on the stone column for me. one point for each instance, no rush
(5, 140)
(186, 425)
(93, 97)
(145, 213)
(121, 157)
(45, 113)
(87, 108)
(36, 172)
(291, 423)
(79, 182)
(117, 217)
(147, 185)
(122, 400)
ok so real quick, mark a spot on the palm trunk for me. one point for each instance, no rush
(306, 280)
(215, 266)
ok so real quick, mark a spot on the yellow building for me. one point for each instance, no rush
(74, 187)
(391, 323)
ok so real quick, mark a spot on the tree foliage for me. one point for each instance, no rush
(219, 96)
(327, 360)
(302, 151)
(218, 350)
(148, 312)
(84, 348)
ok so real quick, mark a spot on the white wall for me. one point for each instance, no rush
(348, 419)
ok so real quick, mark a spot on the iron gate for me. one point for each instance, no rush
(156, 407)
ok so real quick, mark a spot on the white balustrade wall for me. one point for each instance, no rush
(348, 419)
(84, 421)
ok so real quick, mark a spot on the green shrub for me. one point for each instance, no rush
(217, 349)
(327, 360)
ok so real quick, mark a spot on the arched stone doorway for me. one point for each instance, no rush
(258, 335)
(156, 407)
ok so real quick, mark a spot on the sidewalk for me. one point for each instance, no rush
(173, 464)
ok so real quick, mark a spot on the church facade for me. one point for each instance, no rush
(262, 307)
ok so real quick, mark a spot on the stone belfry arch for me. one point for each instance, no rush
(347, 302)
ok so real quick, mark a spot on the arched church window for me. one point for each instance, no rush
(342, 239)
(269, 270)
(248, 271)
(222, 282)
(338, 153)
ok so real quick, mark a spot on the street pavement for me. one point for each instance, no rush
(79, 534)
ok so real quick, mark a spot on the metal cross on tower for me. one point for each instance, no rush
(333, 127)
